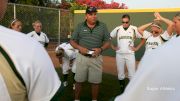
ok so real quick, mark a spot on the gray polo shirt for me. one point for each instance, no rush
(91, 38)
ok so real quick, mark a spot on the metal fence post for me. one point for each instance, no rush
(59, 29)
(14, 11)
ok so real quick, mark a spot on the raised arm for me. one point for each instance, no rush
(142, 28)
(165, 20)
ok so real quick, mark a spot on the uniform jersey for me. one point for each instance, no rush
(154, 42)
(42, 38)
(70, 52)
(157, 76)
(125, 38)
(33, 64)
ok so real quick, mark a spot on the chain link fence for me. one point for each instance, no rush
(57, 24)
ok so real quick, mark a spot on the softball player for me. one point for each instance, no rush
(26, 74)
(125, 34)
(16, 25)
(154, 80)
(156, 37)
(68, 55)
(38, 34)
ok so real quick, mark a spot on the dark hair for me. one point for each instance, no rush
(126, 16)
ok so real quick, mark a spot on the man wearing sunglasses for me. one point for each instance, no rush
(125, 50)
(156, 36)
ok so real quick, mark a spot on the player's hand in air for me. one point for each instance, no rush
(157, 16)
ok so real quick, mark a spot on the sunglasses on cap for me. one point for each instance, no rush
(125, 22)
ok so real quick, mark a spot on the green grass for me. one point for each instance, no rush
(109, 88)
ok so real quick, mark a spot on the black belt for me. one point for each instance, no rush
(87, 55)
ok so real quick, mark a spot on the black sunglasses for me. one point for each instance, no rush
(125, 22)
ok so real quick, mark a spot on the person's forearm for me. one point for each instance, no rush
(74, 44)
(167, 21)
(113, 47)
(105, 45)
(142, 28)
(140, 44)
(169, 25)
(81, 49)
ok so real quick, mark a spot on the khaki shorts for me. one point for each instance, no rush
(88, 68)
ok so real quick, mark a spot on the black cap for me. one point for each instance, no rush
(90, 10)
(13, 1)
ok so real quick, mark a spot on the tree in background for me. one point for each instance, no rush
(74, 4)
(100, 4)
(32, 2)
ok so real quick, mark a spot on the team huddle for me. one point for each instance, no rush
(126, 35)
(32, 77)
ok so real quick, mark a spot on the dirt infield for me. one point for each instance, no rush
(109, 63)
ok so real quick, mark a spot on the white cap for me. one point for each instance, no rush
(156, 24)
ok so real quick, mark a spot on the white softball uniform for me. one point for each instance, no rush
(157, 77)
(69, 54)
(42, 38)
(154, 42)
(125, 55)
(33, 64)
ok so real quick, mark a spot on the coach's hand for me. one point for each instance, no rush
(83, 50)
(97, 52)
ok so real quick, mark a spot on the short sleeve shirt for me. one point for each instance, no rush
(91, 38)
(125, 38)
(154, 42)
